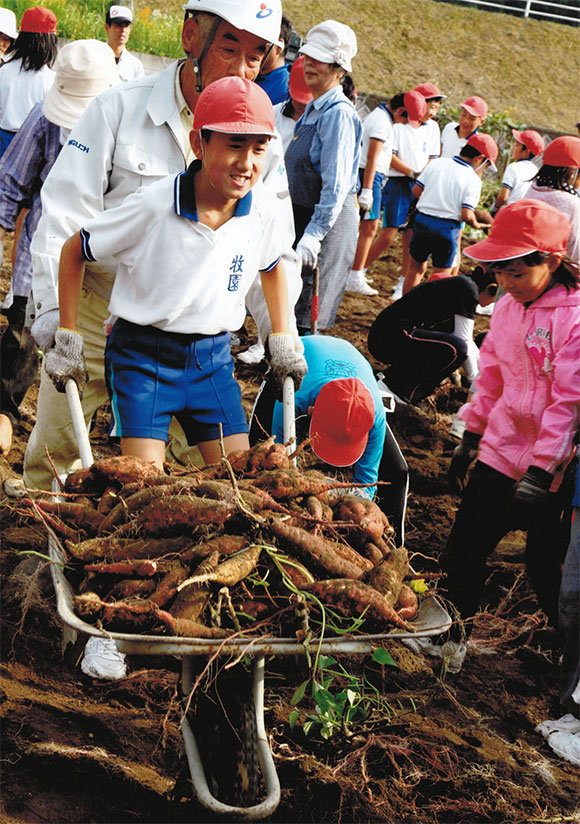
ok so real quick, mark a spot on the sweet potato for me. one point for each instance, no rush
(351, 598)
(372, 552)
(139, 500)
(231, 571)
(314, 551)
(407, 604)
(223, 544)
(120, 549)
(386, 580)
(130, 588)
(81, 480)
(369, 521)
(181, 513)
(108, 500)
(286, 484)
(139, 568)
(168, 586)
(121, 616)
(190, 602)
(74, 514)
(398, 559)
(123, 469)
(188, 629)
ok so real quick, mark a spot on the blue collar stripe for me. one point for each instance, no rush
(184, 195)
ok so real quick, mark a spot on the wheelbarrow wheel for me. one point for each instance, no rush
(224, 724)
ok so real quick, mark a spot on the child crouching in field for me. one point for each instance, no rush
(188, 249)
(522, 420)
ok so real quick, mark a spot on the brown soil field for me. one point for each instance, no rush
(456, 748)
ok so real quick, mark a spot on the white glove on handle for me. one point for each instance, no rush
(365, 199)
(44, 329)
(66, 360)
(285, 360)
(308, 248)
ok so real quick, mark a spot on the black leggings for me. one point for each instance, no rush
(19, 356)
(487, 513)
(391, 498)
(419, 358)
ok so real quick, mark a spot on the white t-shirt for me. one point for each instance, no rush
(129, 67)
(285, 125)
(20, 91)
(449, 185)
(518, 177)
(378, 125)
(415, 146)
(451, 143)
(174, 272)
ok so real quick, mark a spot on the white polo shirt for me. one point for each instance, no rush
(129, 67)
(285, 125)
(415, 146)
(449, 185)
(174, 272)
(451, 143)
(20, 91)
(378, 125)
(518, 177)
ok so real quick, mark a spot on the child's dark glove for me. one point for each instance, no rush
(533, 487)
(463, 456)
(285, 359)
(66, 360)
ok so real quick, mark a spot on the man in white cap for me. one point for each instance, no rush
(129, 137)
(8, 31)
(83, 69)
(118, 27)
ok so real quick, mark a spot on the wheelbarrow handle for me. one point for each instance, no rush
(78, 422)
(289, 416)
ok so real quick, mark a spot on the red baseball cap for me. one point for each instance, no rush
(415, 107)
(563, 151)
(523, 227)
(343, 415)
(475, 106)
(234, 105)
(486, 145)
(429, 91)
(38, 20)
(530, 139)
(299, 91)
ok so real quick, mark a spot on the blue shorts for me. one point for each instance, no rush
(153, 375)
(437, 237)
(375, 211)
(397, 199)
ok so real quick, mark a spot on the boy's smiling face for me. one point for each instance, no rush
(468, 122)
(231, 163)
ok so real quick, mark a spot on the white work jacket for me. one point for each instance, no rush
(131, 136)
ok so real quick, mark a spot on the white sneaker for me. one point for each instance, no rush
(451, 653)
(102, 659)
(457, 428)
(485, 310)
(567, 746)
(357, 282)
(398, 290)
(567, 724)
(254, 354)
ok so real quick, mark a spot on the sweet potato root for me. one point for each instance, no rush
(314, 551)
(386, 580)
(73, 514)
(138, 568)
(169, 585)
(231, 571)
(190, 602)
(351, 598)
(181, 513)
(188, 629)
(131, 588)
(120, 549)
(407, 604)
(369, 520)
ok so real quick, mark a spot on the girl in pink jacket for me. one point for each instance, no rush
(522, 421)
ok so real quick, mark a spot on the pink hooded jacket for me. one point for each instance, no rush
(527, 399)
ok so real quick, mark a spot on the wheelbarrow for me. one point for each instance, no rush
(432, 619)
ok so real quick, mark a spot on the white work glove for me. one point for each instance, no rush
(44, 329)
(284, 360)
(66, 360)
(308, 248)
(365, 199)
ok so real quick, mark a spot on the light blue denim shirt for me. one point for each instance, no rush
(335, 154)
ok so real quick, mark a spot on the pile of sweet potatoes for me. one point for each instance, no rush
(231, 548)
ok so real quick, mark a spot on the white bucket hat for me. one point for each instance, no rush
(83, 69)
(8, 23)
(331, 42)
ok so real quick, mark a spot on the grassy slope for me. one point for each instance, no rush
(530, 67)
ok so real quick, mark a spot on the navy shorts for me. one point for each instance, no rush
(375, 212)
(397, 199)
(437, 237)
(153, 375)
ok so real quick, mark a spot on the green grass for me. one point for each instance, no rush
(527, 68)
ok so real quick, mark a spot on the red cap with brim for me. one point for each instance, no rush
(299, 91)
(530, 139)
(234, 105)
(429, 91)
(486, 145)
(38, 20)
(520, 228)
(415, 107)
(476, 106)
(563, 151)
(343, 415)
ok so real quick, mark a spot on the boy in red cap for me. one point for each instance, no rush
(522, 421)
(471, 117)
(519, 174)
(448, 192)
(188, 248)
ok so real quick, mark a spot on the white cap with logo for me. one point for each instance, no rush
(120, 14)
(331, 42)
